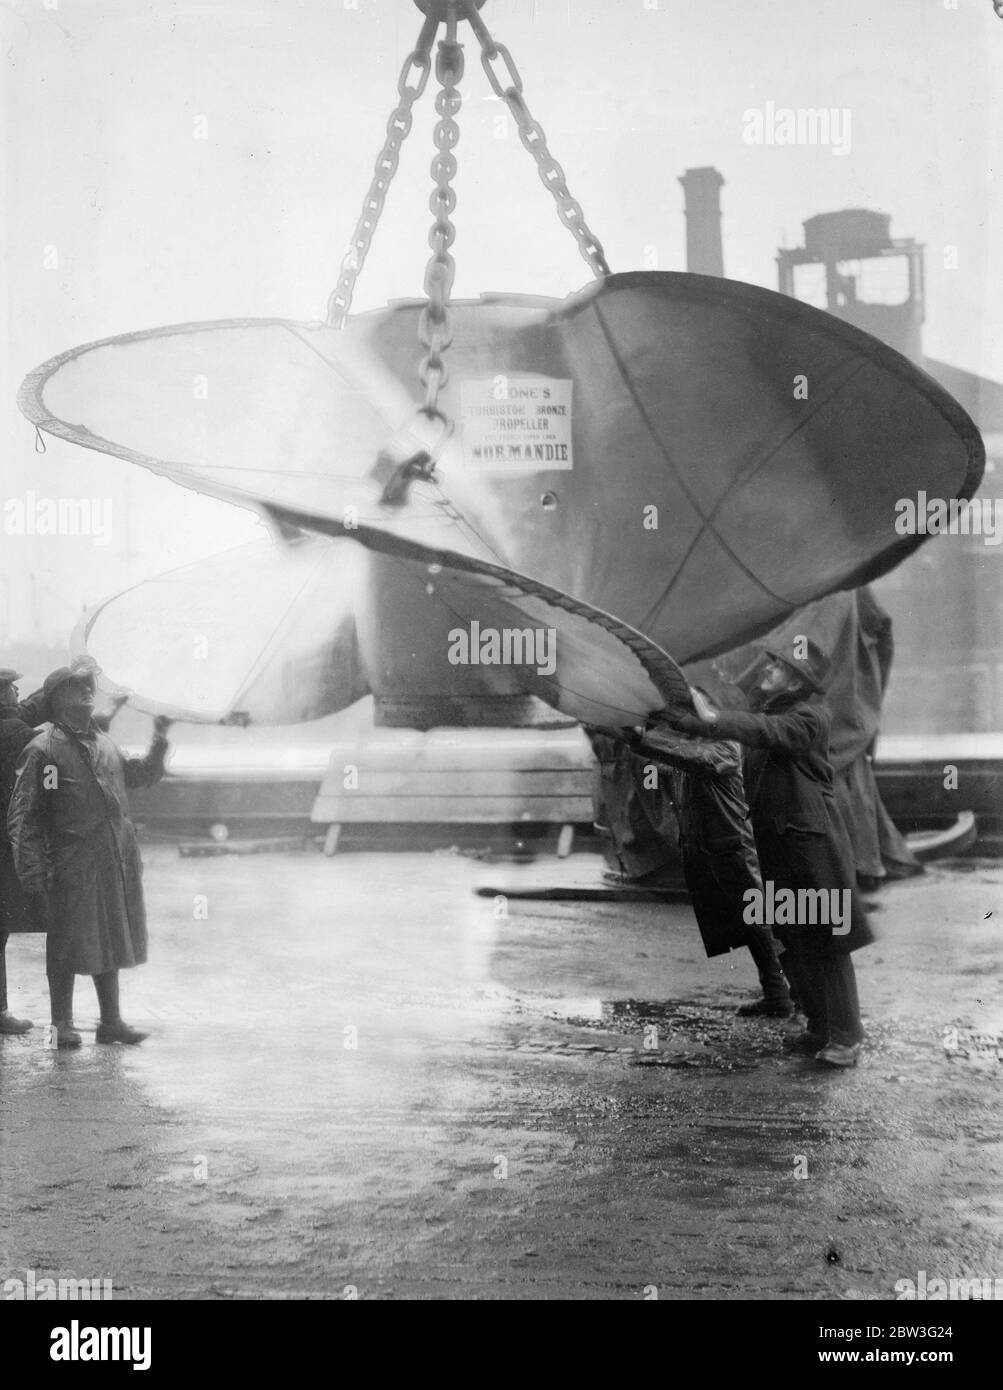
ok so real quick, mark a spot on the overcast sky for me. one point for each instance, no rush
(101, 102)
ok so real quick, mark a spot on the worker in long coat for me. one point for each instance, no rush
(800, 837)
(855, 632)
(701, 781)
(15, 915)
(76, 853)
(721, 864)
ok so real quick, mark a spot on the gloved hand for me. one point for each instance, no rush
(104, 721)
(631, 737)
(674, 714)
(705, 710)
(160, 726)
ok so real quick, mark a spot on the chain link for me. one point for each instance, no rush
(435, 330)
(509, 88)
(398, 128)
(435, 324)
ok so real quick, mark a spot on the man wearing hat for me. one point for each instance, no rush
(15, 735)
(801, 840)
(75, 850)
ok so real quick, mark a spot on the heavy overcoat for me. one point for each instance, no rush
(72, 840)
(15, 735)
(715, 836)
(855, 632)
(800, 836)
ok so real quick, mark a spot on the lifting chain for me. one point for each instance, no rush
(398, 129)
(434, 326)
(532, 134)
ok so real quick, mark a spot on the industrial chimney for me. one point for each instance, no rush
(702, 190)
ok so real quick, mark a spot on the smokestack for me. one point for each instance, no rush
(702, 190)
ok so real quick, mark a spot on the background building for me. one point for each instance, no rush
(947, 599)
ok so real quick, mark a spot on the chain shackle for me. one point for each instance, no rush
(440, 9)
(417, 66)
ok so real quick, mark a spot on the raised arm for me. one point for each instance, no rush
(148, 770)
(32, 709)
(704, 757)
(792, 731)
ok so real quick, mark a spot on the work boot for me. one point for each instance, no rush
(10, 1024)
(66, 1034)
(111, 1029)
(766, 1008)
(805, 1041)
(897, 869)
(118, 1033)
(836, 1055)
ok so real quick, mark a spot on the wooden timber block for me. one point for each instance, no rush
(472, 776)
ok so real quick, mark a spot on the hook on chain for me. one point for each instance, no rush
(397, 474)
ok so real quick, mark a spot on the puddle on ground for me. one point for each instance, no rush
(668, 1032)
(688, 1034)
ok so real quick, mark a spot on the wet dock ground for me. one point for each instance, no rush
(363, 1080)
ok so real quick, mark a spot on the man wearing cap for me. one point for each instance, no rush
(15, 735)
(801, 840)
(75, 850)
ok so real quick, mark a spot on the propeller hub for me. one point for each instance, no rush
(440, 9)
